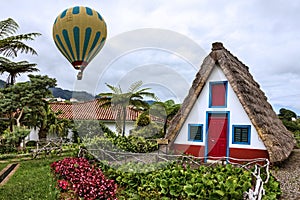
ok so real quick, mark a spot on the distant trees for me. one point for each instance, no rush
(153, 123)
(289, 119)
(121, 100)
(15, 68)
(24, 98)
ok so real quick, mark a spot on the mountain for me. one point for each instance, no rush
(67, 94)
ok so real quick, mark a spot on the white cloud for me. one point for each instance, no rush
(265, 35)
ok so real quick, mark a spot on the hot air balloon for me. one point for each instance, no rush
(79, 33)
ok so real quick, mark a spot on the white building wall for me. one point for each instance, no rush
(237, 115)
(33, 135)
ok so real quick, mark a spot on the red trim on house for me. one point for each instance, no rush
(195, 150)
(248, 153)
(239, 153)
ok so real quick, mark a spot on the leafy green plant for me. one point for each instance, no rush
(15, 137)
(178, 180)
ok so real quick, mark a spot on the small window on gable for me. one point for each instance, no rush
(195, 132)
(218, 94)
(241, 134)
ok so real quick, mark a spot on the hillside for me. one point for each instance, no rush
(67, 94)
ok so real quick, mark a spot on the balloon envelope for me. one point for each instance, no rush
(79, 33)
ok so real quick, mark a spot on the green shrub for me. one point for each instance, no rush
(179, 181)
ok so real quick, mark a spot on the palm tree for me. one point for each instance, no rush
(118, 99)
(15, 69)
(11, 44)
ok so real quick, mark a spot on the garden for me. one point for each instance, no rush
(68, 176)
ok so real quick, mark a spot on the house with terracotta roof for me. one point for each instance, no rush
(90, 110)
(226, 114)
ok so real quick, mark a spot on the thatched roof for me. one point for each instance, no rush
(277, 139)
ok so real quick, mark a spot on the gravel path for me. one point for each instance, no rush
(288, 174)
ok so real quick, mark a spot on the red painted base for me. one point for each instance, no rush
(248, 153)
(238, 153)
(195, 150)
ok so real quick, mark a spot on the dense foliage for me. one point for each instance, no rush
(119, 101)
(80, 179)
(289, 119)
(181, 181)
(121, 143)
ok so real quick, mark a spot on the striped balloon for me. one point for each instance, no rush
(79, 33)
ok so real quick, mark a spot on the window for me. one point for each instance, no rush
(218, 94)
(195, 132)
(241, 134)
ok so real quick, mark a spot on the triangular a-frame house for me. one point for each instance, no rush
(226, 114)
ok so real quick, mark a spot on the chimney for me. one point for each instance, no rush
(217, 46)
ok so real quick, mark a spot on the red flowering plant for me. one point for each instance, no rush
(87, 181)
(63, 185)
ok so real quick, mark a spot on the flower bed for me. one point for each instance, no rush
(76, 178)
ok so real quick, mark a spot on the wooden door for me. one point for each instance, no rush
(217, 135)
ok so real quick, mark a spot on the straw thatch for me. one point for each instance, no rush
(277, 139)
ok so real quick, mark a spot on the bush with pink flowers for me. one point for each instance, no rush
(84, 180)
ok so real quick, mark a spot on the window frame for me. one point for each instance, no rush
(210, 93)
(189, 132)
(248, 127)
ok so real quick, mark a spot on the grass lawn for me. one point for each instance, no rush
(31, 181)
(2, 166)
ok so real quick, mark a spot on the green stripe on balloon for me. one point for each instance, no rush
(62, 48)
(75, 10)
(87, 37)
(95, 41)
(67, 40)
(76, 34)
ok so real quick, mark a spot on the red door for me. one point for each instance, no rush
(217, 135)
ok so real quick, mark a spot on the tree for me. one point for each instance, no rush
(25, 97)
(119, 100)
(15, 68)
(165, 110)
(286, 114)
(48, 121)
(11, 44)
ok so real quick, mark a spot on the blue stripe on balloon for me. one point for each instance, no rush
(100, 17)
(97, 36)
(61, 46)
(86, 41)
(67, 40)
(92, 49)
(76, 10)
(98, 49)
(63, 14)
(89, 11)
(55, 20)
(76, 40)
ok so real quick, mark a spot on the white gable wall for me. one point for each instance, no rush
(237, 115)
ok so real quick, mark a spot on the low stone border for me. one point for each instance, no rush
(10, 174)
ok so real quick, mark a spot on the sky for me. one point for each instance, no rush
(163, 43)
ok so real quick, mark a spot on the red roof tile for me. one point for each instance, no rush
(90, 110)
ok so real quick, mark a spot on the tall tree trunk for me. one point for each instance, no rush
(19, 117)
(124, 121)
(11, 122)
(42, 133)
